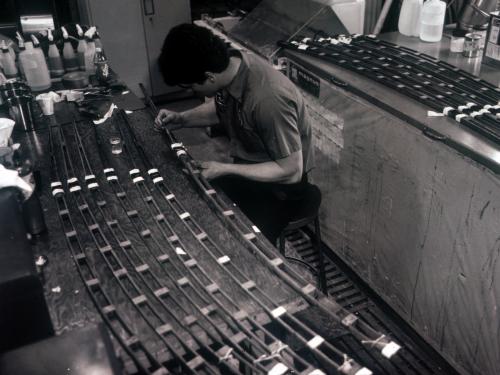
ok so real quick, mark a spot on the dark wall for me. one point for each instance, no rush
(64, 11)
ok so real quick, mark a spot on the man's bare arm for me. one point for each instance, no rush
(201, 116)
(284, 171)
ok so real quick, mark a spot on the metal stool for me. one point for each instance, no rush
(305, 214)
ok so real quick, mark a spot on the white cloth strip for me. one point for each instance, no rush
(305, 40)
(169, 197)
(390, 349)
(224, 259)
(321, 39)
(278, 369)
(470, 104)
(75, 188)
(179, 251)
(363, 371)
(153, 170)
(460, 117)
(447, 110)
(112, 178)
(134, 171)
(107, 170)
(184, 215)
(89, 177)
(349, 320)
(462, 107)
(488, 106)
(434, 114)
(57, 191)
(278, 311)
(483, 111)
(316, 372)
(157, 179)
(137, 179)
(303, 46)
(474, 114)
(56, 183)
(72, 179)
(315, 342)
(93, 185)
(181, 152)
(173, 146)
(255, 229)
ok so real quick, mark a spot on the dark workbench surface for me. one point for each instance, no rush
(441, 50)
(68, 301)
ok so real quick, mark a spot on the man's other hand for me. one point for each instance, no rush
(168, 120)
(211, 169)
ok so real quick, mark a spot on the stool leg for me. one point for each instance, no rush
(282, 243)
(321, 264)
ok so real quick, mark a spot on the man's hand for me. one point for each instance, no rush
(211, 169)
(168, 120)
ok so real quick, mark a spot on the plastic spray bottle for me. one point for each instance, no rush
(97, 40)
(56, 67)
(69, 56)
(9, 64)
(90, 52)
(81, 49)
(34, 67)
(36, 46)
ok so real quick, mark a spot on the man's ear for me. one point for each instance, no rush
(210, 76)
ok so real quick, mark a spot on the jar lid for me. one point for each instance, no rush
(473, 36)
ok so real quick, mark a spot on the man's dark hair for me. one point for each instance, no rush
(188, 52)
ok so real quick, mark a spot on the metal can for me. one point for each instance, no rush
(472, 45)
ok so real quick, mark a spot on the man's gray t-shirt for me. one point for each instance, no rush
(264, 115)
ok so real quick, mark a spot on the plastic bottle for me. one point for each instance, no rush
(36, 46)
(69, 56)
(432, 20)
(101, 65)
(97, 40)
(90, 52)
(22, 48)
(56, 67)
(82, 47)
(9, 65)
(409, 17)
(35, 68)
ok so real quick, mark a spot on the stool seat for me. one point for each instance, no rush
(304, 213)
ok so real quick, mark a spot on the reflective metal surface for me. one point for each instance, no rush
(274, 20)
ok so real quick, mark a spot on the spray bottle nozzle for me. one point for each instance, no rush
(35, 40)
(19, 36)
(90, 32)
(65, 33)
(79, 30)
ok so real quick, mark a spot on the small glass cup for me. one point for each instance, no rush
(116, 145)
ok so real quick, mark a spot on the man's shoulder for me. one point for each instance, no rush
(267, 84)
